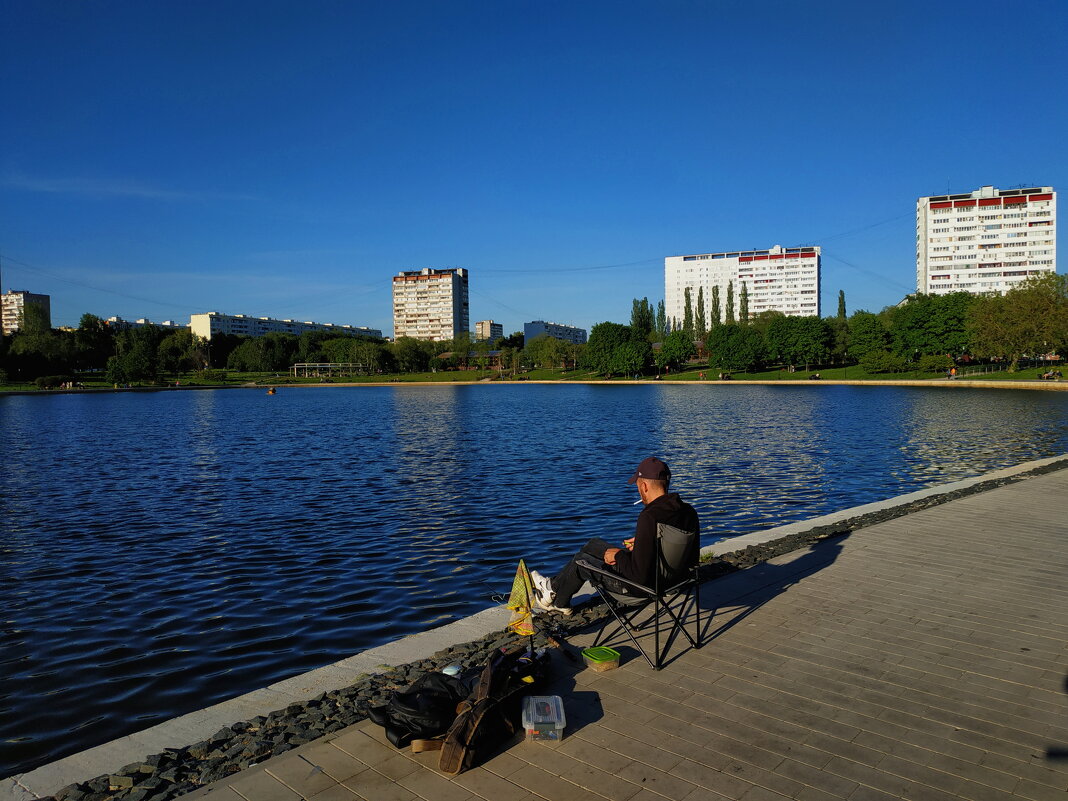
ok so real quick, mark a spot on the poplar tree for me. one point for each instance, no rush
(729, 320)
(841, 304)
(687, 318)
(641, 318)
(714, 313)
(743, 305)
(661, 321)
(700, 328)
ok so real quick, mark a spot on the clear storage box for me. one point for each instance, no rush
(543, 717)
(601, 658)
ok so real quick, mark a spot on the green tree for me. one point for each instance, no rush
(714, 312)
(136, 357)
(867, 334)
(798, 340)
(930, 324)
(1029, 320)
(729, 319)
(37, 350)
(734, 348)
(95, 342)
(701, 324)
(687, 318)
(604, 338)
(743, 304)
(513, 340)
(841, 304)
(178, 352)
(676, 349)
(411, 355)
(661, 321)
(642, 318)
(629, 358)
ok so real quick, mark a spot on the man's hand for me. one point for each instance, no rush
(610, 556)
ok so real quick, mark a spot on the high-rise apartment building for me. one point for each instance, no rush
(985, 241)
(540, 328)
(777, 279)
(487, 329)
(430, 304)
(210, 323)
(13, 305)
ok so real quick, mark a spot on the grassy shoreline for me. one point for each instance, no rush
(850, 376)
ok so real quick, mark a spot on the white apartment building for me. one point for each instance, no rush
(430, 304)
(12, 305)
(487, 329)
(210, 323)
(985, 241)
(540, 328)
(141, 322)
(777, 279)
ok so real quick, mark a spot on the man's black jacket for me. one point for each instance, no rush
(637, 565)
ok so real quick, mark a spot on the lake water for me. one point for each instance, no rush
(164, 551)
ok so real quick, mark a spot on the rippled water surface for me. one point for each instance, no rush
(161, 552)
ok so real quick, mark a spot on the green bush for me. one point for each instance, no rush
(3, 377)
(210, 375)
(934, 363)
(883, 361)
(50, 381)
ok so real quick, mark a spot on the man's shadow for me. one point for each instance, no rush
(746, 591)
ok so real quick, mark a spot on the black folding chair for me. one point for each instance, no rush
(675, 583)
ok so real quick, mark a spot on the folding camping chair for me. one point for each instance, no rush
(675, 580)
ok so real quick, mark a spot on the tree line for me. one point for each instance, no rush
(926, 333)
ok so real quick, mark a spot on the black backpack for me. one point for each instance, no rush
(426, 709)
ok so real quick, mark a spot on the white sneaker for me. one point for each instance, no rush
(544, 595)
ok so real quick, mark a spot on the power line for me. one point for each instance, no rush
(482, 271)
(872, 273)
(84, 285)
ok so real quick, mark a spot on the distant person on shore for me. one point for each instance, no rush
(636, 560)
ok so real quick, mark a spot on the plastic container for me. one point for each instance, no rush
(543, 717)
(601, 658)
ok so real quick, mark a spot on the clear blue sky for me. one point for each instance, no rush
(287, 158)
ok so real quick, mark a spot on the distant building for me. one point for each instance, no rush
(777, 279)
(487, 329)
(210, 323)
(985, 241)
(141, 322)
(13, 304)
(540, 328)
(430, 304)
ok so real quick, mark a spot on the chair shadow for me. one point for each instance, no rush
(743, 591)
(1058, 753)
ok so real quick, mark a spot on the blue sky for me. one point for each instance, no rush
(286, 159)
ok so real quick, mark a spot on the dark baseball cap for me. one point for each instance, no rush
(651, 468)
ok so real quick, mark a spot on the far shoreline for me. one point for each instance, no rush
(1031, 384)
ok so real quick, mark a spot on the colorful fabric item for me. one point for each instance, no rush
(521, 601)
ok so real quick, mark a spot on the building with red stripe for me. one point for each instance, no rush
(985, 241)
(777, 279)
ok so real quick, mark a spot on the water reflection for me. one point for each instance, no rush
(160, 552)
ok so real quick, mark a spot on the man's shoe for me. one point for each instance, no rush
(544, 595)
(543, 587)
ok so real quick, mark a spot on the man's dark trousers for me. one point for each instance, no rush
(567, 582)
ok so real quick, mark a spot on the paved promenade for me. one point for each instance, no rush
(924, 658)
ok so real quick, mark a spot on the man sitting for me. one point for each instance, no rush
(637, 559)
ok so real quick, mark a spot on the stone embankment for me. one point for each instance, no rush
(235, 747)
